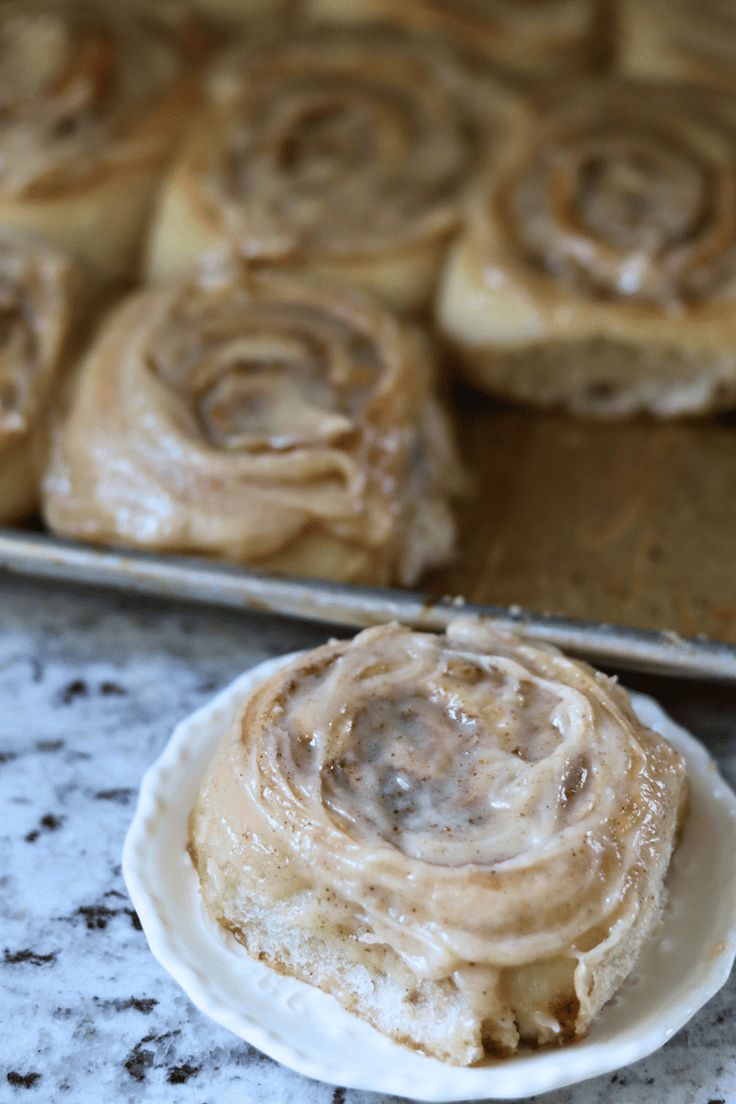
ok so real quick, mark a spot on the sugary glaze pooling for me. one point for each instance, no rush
(342, 143)
(76, 76)
(628, 191)
(459, 799)
(37, 287)
(483, 806)
(270, 420)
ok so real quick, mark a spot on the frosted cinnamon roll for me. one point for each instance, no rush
(40, 289)
(92, 97)
(275, 423)
(345, 155)
(464, 838)
(690, 39)
(598, 270)
(534, 39)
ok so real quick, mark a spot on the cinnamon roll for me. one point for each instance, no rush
(347, 155)
(598, 270)
(691, 39)
(40, 290)
(275, 423)
(92, 97)
(464, 838)
(532, 40)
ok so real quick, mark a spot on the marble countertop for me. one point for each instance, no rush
(91, 685)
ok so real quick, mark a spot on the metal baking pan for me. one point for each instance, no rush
(610, 532)
(207, 581)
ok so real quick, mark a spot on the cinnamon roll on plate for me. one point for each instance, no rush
(41, 291)
(525, 41)
(466, 839)
(286, 425)
(347, 155)
(598, 269)
(92, 99)
(463, 838)
(690, 39)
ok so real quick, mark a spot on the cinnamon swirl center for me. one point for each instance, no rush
(632, 194)
(453, 766)
(259, 377)
(337, 143)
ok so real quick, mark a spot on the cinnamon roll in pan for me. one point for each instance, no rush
(679, 39)
(598, 268)
(348, 155)
(278, 423)
(526, 41)
(464, 838)
(40, 303)
(92, 99)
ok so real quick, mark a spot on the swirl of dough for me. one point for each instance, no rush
(39, 300)
(350, 154)
(489, 809)
(533, 39)
(91, 100)
(262, 419)
(630, 191)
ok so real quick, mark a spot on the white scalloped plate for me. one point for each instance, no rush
(307, 1030)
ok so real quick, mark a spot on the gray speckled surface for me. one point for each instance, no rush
(90, 687)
